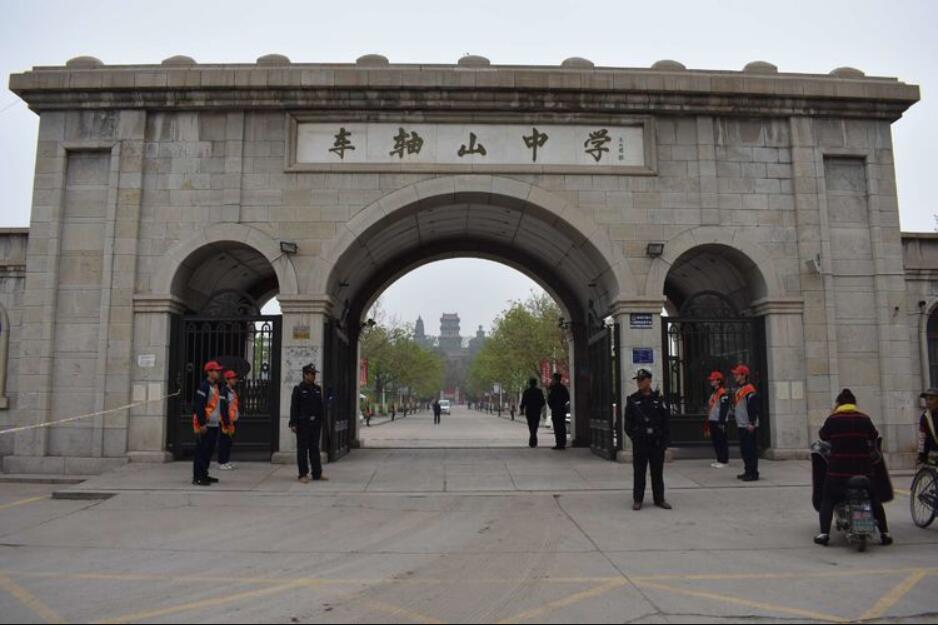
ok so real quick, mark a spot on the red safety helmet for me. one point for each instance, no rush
(716, 375)
(212, 365)
(740, 369)
(231, 375)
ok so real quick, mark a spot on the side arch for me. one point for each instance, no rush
(176, 258)
(711, 235)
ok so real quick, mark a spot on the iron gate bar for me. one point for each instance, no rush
(257, 341)
(605, 386)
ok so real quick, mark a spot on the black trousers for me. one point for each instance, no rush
(560, 428)
(835, 489)
(204, 450)
(224, 447)
(749, 448)
(648, 454)
(437, 417)
(534, 422)
(721, 443)
(308, 436)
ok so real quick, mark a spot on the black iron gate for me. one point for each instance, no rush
(605, 386)
(339, 368)
(250, 345)
(709, 335)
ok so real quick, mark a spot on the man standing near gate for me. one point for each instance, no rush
(748, 409)
(557, 398)
(306, 416)
(718, 410)
(647, 424)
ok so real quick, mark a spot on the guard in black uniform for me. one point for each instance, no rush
(646, 423)
(558, 397)
(306, 417)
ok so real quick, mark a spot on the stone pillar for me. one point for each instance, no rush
(304, 319)
(637, 336)
(791, 435)
(147, 425)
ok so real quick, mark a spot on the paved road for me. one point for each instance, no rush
(464, 428)
(448, 535)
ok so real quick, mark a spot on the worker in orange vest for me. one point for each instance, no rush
(206, 418)
(229, 414)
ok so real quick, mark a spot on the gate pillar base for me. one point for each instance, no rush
(149, 457)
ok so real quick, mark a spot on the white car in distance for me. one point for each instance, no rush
(445, 406)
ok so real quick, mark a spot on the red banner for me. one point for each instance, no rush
(545, 372)
(363, 372)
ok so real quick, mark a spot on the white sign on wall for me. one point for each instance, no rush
(599, 147)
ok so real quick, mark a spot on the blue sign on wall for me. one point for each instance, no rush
(643, 355)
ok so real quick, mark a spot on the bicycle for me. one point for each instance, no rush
(924, 495)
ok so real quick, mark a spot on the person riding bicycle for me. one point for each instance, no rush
(852, 437)
(928, 427)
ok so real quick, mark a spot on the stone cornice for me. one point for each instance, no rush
(778, 306)
(461, 88)
(637, 305)
(158, 304)
(305, 304)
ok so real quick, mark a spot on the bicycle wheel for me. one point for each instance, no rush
(924, 497)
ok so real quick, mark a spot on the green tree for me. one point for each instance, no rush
(523, 336)
(399, 363)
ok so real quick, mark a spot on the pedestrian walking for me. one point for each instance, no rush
(647, 425)
(206, 416)
(719, 410)
(230, 412)
(437, 412)
(513, 410)
(558, 397)
(306, 417)
(747, 405)
(532, 405)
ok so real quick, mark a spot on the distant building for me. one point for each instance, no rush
(457, 351)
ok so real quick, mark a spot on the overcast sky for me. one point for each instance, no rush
(883, 38)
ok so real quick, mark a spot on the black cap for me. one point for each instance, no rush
(932, 392)
(310, 368)
(641, 374)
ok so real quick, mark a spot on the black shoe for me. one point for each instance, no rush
(751, 478)
(213, 480)
(201, 483)
(664, 505)
(822, 539)
(637, 506)
(741, 476)
(885, 539)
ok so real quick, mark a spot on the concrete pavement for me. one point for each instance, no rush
(449, 535)
(463, 428)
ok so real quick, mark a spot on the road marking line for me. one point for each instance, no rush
(765, 607)
(29, 600)
(205, 603)
(895, 595)
(727, 577)
(566, 602)
(394, 610)
(22, 502)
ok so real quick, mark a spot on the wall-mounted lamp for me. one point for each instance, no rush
(563, 324)
(289, 247)
(654, 249)
(369, 324)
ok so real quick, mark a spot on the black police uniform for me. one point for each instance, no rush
(647, 424)
(306, 415)
(557, 398)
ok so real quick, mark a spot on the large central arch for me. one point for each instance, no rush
(555, 243)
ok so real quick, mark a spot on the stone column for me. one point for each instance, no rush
(634, 337)
(304, 319)
(791, 435)
(147, 426)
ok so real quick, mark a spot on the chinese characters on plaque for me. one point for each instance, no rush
(574, 145)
